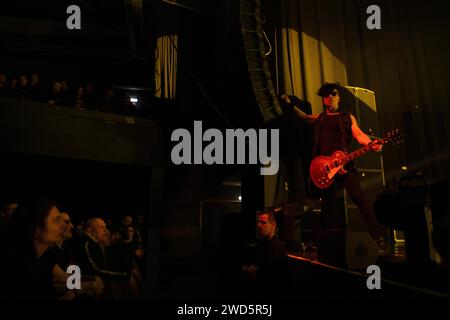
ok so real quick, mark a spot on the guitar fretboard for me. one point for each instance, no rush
(393, 136)
(355, 154)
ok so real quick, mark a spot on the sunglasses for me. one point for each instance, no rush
(334, 93)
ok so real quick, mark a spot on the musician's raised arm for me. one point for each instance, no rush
(298, 112)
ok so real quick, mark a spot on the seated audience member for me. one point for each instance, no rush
(23, 89)
(8, 209)
(4, 89)
(90, 98)
(31, 270)
(57, 95)
(63, 254)
(36, 93)
(92, 258)
(78, 100)
(65, 87)
(91, 286)
(12, 92)
(127, 221)
(108, 102)
(127, 251)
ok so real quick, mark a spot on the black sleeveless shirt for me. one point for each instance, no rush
(333, 133)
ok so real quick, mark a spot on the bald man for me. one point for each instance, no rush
(96, 228)
(91, 254)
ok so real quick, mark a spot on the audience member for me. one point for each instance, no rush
(63, 255)
(91, 254)
(78, 101)
(267, 269)
(57, 95)
(23, 89)
(31, 269)
(12, 88)
(36, 93)
(108, 102)
(89, 96)
(4, 89)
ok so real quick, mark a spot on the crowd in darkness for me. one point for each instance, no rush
(82, 96)
(38, 243)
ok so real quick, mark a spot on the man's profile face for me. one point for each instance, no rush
(67, 226)
(331, 101)
(57, 86)
(34, 78)
(23, 81)
(99, 231)
(10, 208)
(265, 227)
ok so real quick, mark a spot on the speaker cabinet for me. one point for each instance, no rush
(285, 217)
(354, 250)
(258, 67)
(362, 104)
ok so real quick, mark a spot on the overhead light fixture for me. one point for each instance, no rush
(134, 100)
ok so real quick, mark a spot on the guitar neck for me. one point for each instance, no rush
(393, 136)
(355, 154)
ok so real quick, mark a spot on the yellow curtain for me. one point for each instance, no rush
(304, 59)
(166, 67)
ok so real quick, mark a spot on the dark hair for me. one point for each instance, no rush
(29, 217)
(327, 88)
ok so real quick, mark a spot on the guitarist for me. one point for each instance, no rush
(334, 131)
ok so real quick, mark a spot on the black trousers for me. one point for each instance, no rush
(333, 211)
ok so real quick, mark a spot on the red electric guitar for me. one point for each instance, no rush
(324, 169)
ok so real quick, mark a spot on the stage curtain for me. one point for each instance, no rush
(166, 67)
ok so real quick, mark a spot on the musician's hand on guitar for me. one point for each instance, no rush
(376, 146)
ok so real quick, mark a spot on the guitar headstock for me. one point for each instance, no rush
(395, 137)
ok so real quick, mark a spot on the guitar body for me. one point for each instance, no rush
(323, 169)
